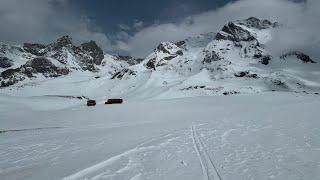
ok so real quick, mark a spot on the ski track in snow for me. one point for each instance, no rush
(209, 170)
(196, 138)
(94, 172)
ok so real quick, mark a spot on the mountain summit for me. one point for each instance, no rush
(231, 61)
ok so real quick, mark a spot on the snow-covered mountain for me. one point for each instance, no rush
(231, 61)
(48, 132)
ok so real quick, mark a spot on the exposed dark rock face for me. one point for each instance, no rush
(303, 57)
(94, 51)
(122, 73)
(265, 60)
(162, 48)
(35, 49)
(9, 73)
(246, 74)
(180, 44)
(280, 84)
(88, 54)
(226, 93)
(254, 22)
(10, 77)
(5, 62)
(166, 47)
(211, 57)
(29, 69)
(235, 33)
(165, 52)
(43, 66)
(151, 64)
(168, 58)
(193, 87)
(64, 41)
(180, 53)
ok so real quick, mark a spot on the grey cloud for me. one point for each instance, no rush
(138, 24)
(43, 21)
(124, 27)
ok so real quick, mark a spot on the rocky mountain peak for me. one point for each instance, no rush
(63, 41)
(167, 48)
(56, 59)
(35, 49)
(164, 52)
(94, 51)
(238, 30)
(234, 60)
(234, 32)
(254, 22)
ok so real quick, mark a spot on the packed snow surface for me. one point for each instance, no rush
(249, 136)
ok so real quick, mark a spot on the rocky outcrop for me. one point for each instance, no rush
(64, 41)
(35, 49)
(180, 44)
(169, 48)
(40, 60)
(211, 56)
(93, 50)
(43, 66)
(299, 55)
(254, 22)
(29, 70)
(151, 64)
(233, 32)
(265, 60)
(122, 73)
(247, 74)
(5, 62)
(165, 52)
(163, 48)
(87, 54)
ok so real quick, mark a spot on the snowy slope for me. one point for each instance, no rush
(189, 138)
(231, 61)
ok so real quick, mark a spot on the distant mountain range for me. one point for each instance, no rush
(231, 61)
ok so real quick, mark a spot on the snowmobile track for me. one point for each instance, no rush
(209, 170)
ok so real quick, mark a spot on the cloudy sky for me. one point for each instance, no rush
(136, 27)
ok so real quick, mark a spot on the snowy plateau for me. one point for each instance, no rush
(217, 106)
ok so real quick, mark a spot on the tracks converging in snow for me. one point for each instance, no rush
(161, 143)
(209, 170)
